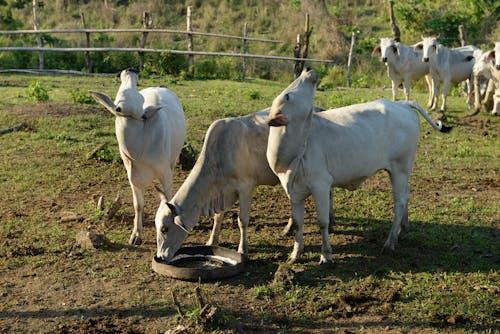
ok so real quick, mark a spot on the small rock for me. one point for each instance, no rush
(89, 239)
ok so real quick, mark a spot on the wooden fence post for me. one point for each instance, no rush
(301, 50)
(244, 50)
(394, 26)
(350, 59)
(36, 24)
(189, 28)
(296, 54)
(463, 41)
(462, 35)
(90, 65)
(147, 22)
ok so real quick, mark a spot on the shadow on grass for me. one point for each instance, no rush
(357, 251)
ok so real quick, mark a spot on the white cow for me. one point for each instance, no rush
(311, 152)
(446, 66)
(486, 74)
(404, 64)
(231, 164)
(151, 130)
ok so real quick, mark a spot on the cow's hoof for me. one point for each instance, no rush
(135, 240)
(388, 250)
(325, 262)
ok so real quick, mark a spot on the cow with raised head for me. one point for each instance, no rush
(311, 152)
(151, 129)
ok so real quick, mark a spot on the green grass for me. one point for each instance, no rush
(444, 275)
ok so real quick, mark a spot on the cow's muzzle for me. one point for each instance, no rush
(384, 59)
(426, 60)
(278, 120)
(275, 122)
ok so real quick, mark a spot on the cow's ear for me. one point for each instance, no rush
(491, 56)
(377, 51)
(150, 111)
(104, 100)
(419, 46)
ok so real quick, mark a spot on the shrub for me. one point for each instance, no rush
(37, 93)
(80, 97)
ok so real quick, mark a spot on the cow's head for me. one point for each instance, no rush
(129, 101)
(429, 47)
(296, 102)
(170, 231)
(387, 49)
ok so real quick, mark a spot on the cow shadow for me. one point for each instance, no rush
(357, 243)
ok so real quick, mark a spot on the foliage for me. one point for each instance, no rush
(36, 92)
(166, 64)
(80, 97)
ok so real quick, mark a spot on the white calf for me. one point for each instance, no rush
(404, 64)
(151, 130)
(446, 66)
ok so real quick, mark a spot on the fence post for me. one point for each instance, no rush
(90, 66)
(147, 22)
(189, 28)
(394, 26)
(36, 24)
(462, 35)
(244, 63)
(296, 54)
(349, 61)
(299, 65)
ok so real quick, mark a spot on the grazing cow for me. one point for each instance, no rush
(446, 66)
(311, 152)
(404, 64)
(231, 164)
(151, 130)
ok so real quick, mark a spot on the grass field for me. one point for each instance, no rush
(443, 277)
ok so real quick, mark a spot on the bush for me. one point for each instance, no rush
(37, 93)
(166, 64)
(80, 97)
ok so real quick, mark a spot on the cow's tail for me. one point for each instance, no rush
(438, 125)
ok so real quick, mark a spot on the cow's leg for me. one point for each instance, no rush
(138, 200)
(428, 80)
(395, 85)
(400, 193)
(435, 94)
(245, 199)
(288, 228)
(477, 96)
(444, 95)
(214, 235)
(406, 84)
(298, 219)
(323, 204)
(331, 226)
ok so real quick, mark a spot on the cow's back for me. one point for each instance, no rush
(363, 138)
